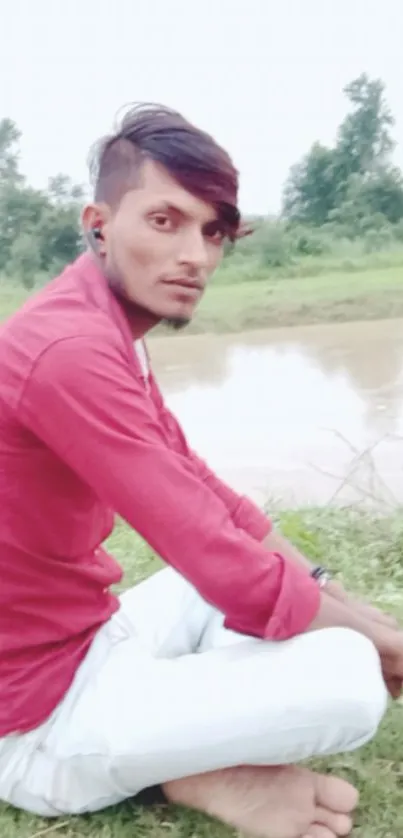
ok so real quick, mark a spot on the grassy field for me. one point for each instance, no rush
(368, 554)
(267, 302)
(342, 296)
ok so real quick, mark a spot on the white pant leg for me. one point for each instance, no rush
(133, 720)
(166, 614)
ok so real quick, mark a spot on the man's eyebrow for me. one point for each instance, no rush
(169, 207)
(163, 204)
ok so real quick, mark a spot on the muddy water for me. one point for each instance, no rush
(301, 415)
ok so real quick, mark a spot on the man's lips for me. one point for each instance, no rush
(186, 287)
(181, 282)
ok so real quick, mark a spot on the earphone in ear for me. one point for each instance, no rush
(94, 237)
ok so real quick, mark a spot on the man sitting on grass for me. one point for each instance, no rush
(214, 678)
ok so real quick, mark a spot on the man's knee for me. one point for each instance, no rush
(366, 694)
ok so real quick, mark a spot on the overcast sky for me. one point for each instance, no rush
(264, 77)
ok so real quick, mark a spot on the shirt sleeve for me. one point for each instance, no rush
(245, 514)
(85, 403)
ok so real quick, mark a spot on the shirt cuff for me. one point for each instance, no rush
(296, 607)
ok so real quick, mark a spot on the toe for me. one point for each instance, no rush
(319, 831)
(335, 794)
(337, 823)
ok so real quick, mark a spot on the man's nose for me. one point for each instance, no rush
(193, 250)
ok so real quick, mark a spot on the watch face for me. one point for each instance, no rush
(324, 579)
(320, 573)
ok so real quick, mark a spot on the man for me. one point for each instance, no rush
(215, 677)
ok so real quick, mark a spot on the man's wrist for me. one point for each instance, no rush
(336, 590)
(321, 575)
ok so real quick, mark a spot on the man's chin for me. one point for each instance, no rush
(136, 310)
(176, 323)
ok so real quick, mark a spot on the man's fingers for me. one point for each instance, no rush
(394, 687)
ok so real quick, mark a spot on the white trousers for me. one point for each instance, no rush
(166, 692)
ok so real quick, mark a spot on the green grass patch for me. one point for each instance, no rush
(367, 553)
(342, 296)
(268, 300)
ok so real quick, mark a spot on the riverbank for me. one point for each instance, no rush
(368, 554)
(336, 297)
(340, 296)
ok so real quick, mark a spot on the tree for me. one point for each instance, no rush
(324, 185)
(62, 190)
(21, 209)
(364, 140)
(310, 192)
(383, 192)
(39, 229)
(25, 259)
(58, 236)
(9, 138)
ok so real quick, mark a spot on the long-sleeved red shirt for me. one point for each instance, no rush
(84, 435)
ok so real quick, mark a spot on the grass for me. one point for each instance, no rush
(342, 296)
(367, 552)
(279, 301)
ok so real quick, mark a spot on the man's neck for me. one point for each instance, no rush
(140, 320)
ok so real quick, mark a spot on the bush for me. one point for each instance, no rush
(25, 259)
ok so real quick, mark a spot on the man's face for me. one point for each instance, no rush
(160, 246)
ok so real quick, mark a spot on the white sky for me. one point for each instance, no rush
(265, 78)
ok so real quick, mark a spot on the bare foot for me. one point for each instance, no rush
(270, 802)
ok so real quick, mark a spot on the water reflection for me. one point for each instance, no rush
(264, 408)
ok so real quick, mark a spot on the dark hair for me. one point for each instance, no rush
(191, 156)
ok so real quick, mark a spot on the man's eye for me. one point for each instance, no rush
(215, 234)
(219, 236)
(162, 221)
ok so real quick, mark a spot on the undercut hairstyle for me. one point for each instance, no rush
(191, 156)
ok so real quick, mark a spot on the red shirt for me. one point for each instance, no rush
(83, 436)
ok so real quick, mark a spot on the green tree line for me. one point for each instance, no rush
(353, 184)
(340, 202)
(39, 229)
(342, 205)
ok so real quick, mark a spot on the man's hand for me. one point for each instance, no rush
(387, 640)
(392, 662)
(342, 609)
(393, 682)
(276, 543)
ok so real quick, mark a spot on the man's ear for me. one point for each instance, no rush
(94, 218)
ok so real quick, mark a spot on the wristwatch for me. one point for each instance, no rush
(321, 575)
